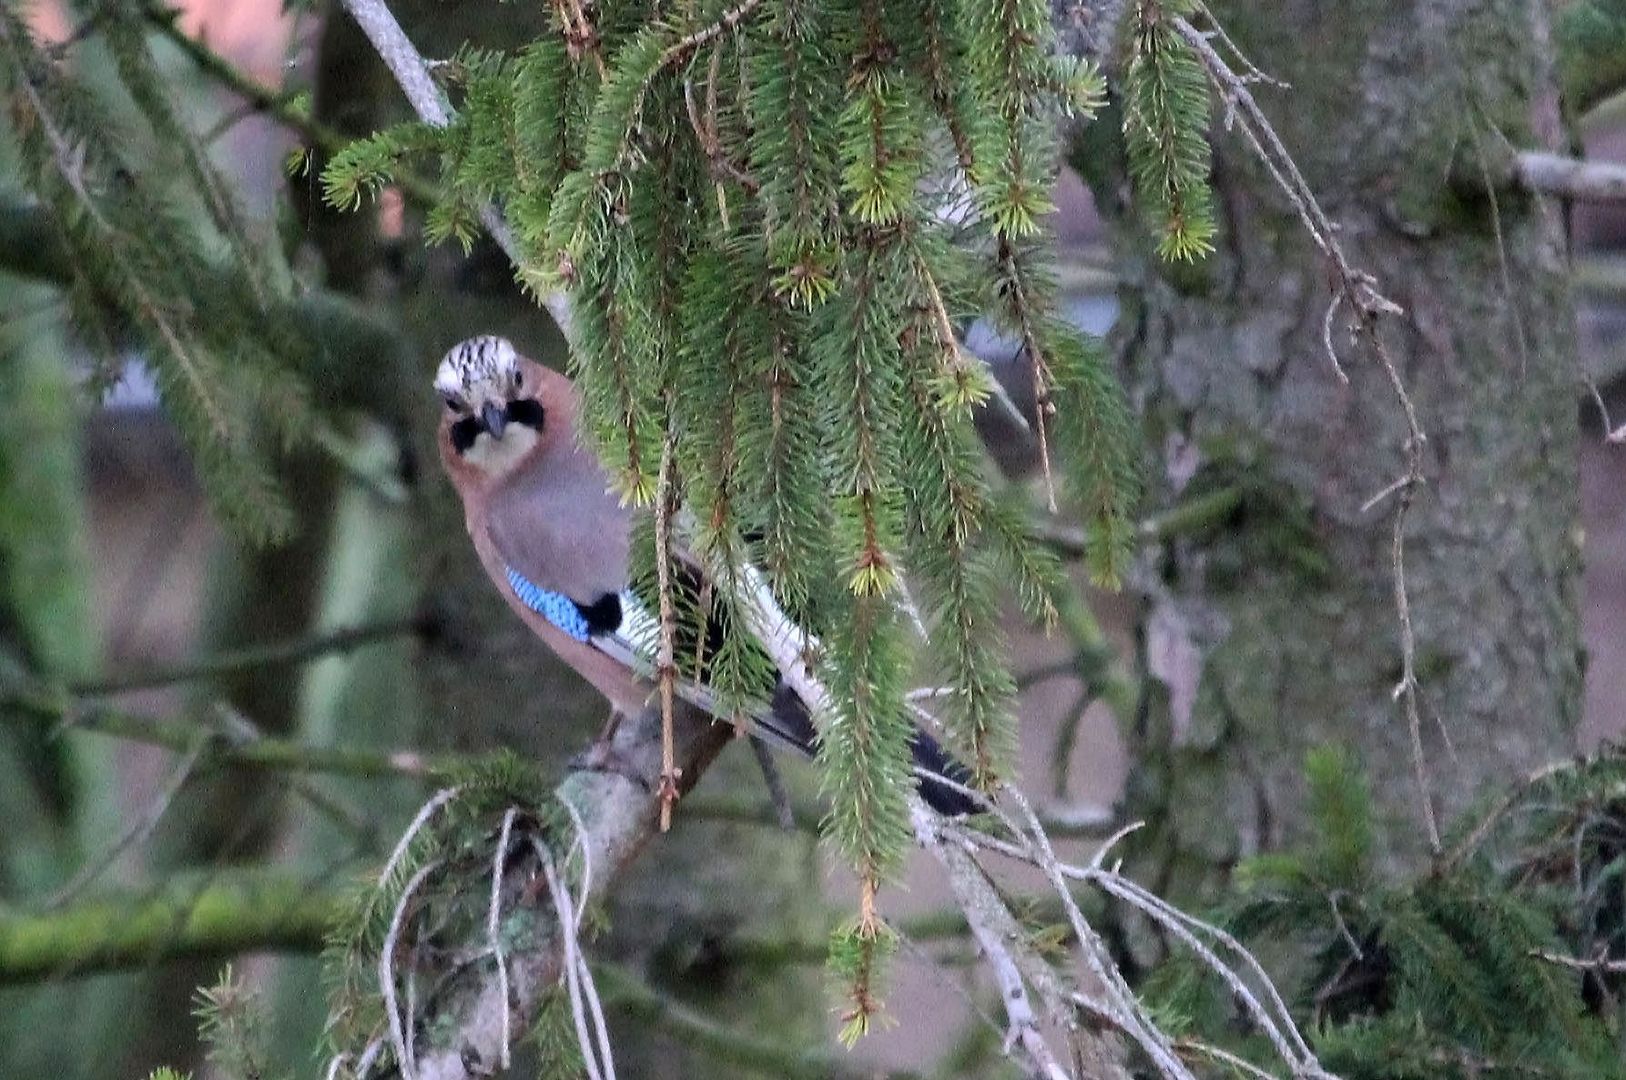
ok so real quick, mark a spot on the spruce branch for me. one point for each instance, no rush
(1591, 40)
(459, 1022)
(424, 94)
(666, 665)
(70, 167)
(136, 833)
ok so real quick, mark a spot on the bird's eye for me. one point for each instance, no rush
(519, 380)
(454, 403)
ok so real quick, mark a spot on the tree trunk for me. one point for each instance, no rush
(1278, 632)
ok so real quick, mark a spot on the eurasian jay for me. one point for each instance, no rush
(554, 539)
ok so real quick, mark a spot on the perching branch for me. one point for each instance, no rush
(1568, 178)
(1503, 167)
(461, 1030)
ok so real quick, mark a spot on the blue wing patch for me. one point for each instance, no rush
(557, 608)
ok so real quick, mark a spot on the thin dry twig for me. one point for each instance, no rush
(666, 668)
(386, 974)
(493, 924)
(1250, 70)
(1097, 961)
(570, 971)
(140, 830)
(1368, 307)
(584, 997)
(1271, 1014)
(579, 843)
(1224, 1057)
(1022, 1023)
(1612, 435)
(425, 812)
(778, 795)
(1598, 965)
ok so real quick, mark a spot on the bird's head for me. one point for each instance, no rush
(493, 398)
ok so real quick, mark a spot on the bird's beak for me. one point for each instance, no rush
(493, 418)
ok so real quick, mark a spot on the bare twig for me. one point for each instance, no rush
(1224, 1057)
(778, 796)
(1368, 307)
(1043, 407)
(253, 657)
(425, 812)
(666, 666)
(1097, 961)
(1250, 70)
(595, 1047)
(1271, 1013)
(412, 74)
(579, 843)
(1569, 178)
(1520, 791)
(138, 832)
(1613, 436)
(386, 971)
(494, 928)
(999, 938)
(261, 752)
(1598, 965)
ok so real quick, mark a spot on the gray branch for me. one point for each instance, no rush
(619, 813)
(1571, 178)
(424, 94)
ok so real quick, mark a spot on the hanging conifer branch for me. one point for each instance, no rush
(133, 253)
(1165, 123)
(826, 414)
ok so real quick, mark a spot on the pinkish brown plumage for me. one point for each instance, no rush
(536, 501)
(555, 540)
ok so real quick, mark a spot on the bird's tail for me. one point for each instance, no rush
(787, 721)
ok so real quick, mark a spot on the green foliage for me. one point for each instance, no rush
(1165, 95)
(1457, 972)
(1591, 40)
(770, 217)
(558, 1050)
(220, 344)
(858, 952)
(232, 1023)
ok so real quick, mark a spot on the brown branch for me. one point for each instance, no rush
(273, 654)
(666, 666)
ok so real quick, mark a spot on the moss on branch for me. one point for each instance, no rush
(224, 915)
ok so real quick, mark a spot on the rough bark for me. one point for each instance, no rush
(1278, 632)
